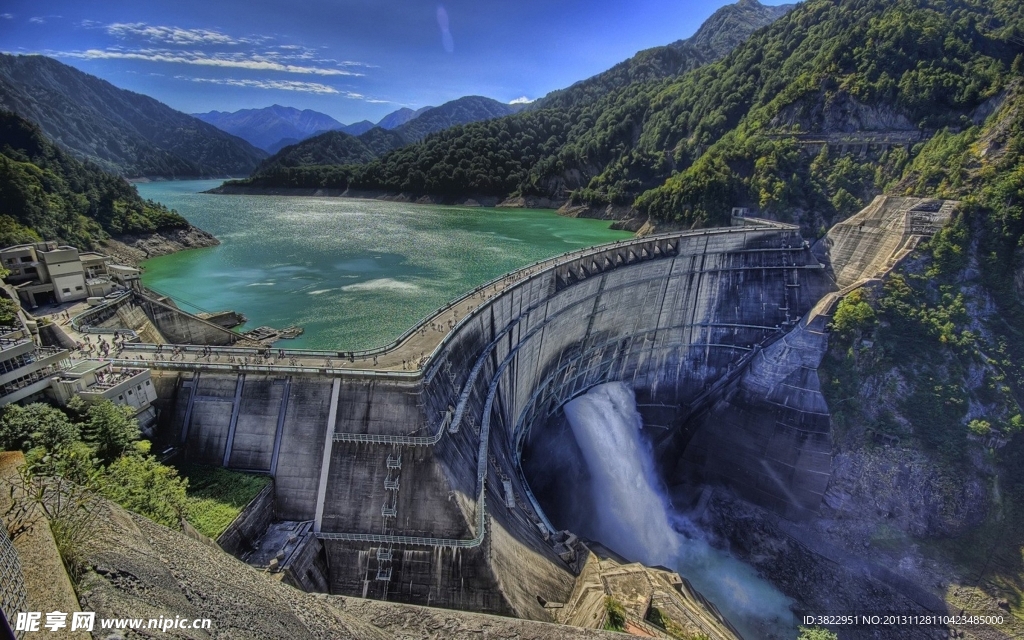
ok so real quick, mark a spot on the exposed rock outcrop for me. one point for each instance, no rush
(133, 249)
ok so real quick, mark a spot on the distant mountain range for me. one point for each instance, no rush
(341, 147)
(121, 131)
(669, 138)
(398, 118)
(266, 127)
(276, 127)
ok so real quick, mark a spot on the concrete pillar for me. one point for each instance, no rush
(281, 412)
(236, 405)
(325, 464)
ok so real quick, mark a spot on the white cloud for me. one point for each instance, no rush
(254, 62)
(521, 100)
(7, 16)
(281, 85)
(170, 35)
(37, 20)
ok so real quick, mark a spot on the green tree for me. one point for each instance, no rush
(853, 314)
(8, 310)
(816, 633)
(111, 428)
(36, 425)
(615, 615)
(143, 485)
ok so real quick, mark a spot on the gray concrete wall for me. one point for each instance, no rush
(250, 523)
(178, 327)
(307, 568)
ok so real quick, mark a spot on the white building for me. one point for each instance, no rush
(44, 273)
(94, 381)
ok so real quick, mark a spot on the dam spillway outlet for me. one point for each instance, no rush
(620, 503)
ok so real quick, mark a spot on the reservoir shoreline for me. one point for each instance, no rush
(355, 274)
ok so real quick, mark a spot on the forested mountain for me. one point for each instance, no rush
(264, 128)
(880, 77)
(358, 128)
(47, 194)
(716, 37)
(400, 117)
(460, 111)
(121, 131)
(336, 147)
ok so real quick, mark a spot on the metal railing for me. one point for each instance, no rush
(80, 322)
(12, 581)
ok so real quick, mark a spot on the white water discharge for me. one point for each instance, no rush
(634, 519)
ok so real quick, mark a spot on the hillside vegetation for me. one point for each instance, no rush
(121, 131)
(686, 148)
(47, 194)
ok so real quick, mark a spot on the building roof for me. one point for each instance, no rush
(85, 366)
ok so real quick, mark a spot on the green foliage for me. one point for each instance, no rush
(44, 488)
(114, 463)
(816, 633)
(615, 615)
(48, 194)
(143, 485)
(853, 315)
(35, 425)
(8, 310)
(216, 496)
(111, 428)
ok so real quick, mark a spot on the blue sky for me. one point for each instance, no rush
(349, 59)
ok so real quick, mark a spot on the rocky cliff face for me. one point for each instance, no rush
(131, 249)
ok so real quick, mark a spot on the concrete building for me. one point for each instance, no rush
(25, 368)
(95, 381)
(44, 273)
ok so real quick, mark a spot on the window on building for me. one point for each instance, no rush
(78, 288)
(26, 258)
(121, 398)
(147, 383)
(129, 392)
(66, 290)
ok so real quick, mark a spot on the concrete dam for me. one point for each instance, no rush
(433, 482)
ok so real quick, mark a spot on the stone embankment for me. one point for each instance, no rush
(132, 249)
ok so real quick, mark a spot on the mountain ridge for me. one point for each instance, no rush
(50, 195)
(338, 147)
(267, 126)
(121, 131)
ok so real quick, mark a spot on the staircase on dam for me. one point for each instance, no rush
(416, 481)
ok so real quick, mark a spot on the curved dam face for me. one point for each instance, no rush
(416, 482)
